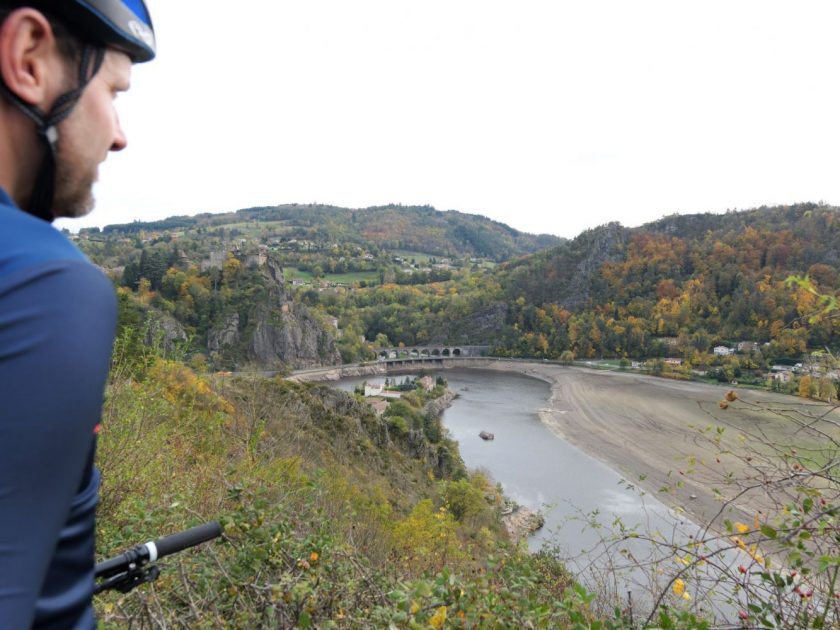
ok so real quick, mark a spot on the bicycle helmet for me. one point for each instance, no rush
(99, 24)
(121, 24)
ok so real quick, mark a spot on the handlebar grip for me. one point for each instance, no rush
(193, 536)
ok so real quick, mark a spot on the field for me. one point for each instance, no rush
(371, 277)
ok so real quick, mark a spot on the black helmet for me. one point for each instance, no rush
(121, 24)
(99, 24)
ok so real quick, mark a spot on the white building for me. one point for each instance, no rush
(722, 351)
(379, 390)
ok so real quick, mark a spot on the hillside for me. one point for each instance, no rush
(409, 228)
(699, 279)
(225, 286)
(252, 293)
(677, 287)
(334, 516)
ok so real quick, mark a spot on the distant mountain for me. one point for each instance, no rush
(227, 286)
(246, 286)
(708, 278)
(412, 228)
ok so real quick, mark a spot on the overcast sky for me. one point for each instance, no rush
(550, 116)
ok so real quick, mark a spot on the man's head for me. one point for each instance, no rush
(62, 63)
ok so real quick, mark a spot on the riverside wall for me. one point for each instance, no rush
(336, 372)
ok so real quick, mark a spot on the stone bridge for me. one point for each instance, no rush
(431, 352)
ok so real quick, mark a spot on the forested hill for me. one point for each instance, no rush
(226, 286)
(613, 290)
(394, 227)
(291, 285)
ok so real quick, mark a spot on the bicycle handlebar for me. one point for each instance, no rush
(135, 558)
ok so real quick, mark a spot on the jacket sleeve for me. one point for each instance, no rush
(56, 330)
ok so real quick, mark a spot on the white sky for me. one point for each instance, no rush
(550, 116)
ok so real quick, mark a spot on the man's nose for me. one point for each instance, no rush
(120, 141)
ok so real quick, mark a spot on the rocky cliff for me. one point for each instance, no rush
(275, 338)
(163, 329)
(293, 337)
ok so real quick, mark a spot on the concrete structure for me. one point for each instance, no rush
(431, 352)
(722, 351)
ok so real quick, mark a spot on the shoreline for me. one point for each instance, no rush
(647, 429)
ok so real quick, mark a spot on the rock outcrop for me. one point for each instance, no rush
(225, 335)
(478, 328)
(522, 522)
(293, 339)
(437, 406)
(163, 329)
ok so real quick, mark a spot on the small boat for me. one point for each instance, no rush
(485, 435)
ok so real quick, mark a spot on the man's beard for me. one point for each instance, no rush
(73, 195)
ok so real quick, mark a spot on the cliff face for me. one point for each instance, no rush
(291, 337)
(163, 329)
(275, 332)
(226, 334)
(478, 328)
(294, 338)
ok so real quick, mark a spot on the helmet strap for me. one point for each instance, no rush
(41, 200)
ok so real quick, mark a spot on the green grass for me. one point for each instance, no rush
(293, 273)
(420, 259)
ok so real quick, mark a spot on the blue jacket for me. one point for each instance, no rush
(57, 320)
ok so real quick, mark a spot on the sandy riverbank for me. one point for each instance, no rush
(651, 431)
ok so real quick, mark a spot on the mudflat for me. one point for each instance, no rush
(663, 434)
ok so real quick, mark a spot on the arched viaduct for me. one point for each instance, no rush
(431, 352)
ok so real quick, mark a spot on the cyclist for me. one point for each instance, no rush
(62, 62)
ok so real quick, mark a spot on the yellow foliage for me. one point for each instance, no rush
(437, 620)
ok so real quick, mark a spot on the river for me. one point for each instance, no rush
(536, 468)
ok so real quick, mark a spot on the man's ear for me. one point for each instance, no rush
(28, 53)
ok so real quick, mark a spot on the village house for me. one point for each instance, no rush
(214, 261)
(722, 351)
(379, 391)
(672, 361)
(747, 346)
(781, 368)
(782, 377)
